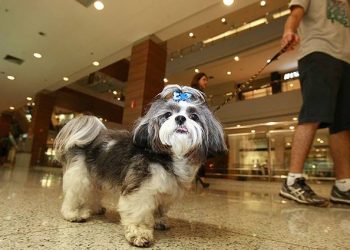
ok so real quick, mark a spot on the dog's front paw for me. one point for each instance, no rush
(139, 236)
(78, 215)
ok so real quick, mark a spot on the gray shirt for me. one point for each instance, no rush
(325, 28)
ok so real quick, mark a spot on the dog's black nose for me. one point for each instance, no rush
(180, 119)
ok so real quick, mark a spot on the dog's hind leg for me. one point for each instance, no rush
(160, 217)
(77, 188)
(95, 200)
(136, 210)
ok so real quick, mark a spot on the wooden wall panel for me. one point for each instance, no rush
(118, 70)
(146, 73)
(40, 125)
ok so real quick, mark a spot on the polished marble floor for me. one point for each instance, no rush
(229, 215)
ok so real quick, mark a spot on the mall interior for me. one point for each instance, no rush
(110, 58)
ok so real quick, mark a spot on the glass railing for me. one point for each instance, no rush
(256, 92)
(267, 155)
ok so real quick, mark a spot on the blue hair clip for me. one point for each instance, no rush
(180, 96)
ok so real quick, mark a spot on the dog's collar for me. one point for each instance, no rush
(181, 96)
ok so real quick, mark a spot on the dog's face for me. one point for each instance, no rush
(181, 125)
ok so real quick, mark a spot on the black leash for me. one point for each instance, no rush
(251, 79)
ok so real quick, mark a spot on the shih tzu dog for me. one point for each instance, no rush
(148, 168)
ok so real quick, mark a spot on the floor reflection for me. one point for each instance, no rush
(229, 215)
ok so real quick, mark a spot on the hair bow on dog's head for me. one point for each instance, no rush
(177, 93)
(181, 96)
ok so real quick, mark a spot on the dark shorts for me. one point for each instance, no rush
(325, 87)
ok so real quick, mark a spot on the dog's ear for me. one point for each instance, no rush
(216, 140)
(141, 136)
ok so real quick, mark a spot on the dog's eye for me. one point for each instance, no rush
(167, 115)
(194, 117)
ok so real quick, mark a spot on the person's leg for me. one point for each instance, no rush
(319, 85)
(340, 150)
(295, 187)
(340, 141)
(302, 141)
(200, 176)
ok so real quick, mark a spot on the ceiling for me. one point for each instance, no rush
(75, 36)
(251, 61)
(215, 27)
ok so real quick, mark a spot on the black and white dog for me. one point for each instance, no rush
(149, 167)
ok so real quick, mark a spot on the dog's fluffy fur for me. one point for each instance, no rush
(150, 166)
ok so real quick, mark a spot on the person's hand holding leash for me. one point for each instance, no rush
(290, 35)
(292, 38)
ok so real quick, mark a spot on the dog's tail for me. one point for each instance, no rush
(78, 132)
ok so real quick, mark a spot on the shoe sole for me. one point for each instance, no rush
(291, 197)
(338, 200)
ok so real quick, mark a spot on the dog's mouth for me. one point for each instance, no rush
(181, 129)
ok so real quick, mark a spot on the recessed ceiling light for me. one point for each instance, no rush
(37, 55)
(262, 3)
(95, 63)
(228, 2)
(99, 5)
(229, 72)
(196, 70)
(29, 98)
(223, 20)
(66, 79)
(268, 61)
(253, 131)
(115, 92)
(12, 108)
(236, 58)
(165, 80)
(295, 118)
(191, 34)
(11, 78)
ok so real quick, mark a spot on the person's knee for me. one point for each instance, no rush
(340, 133)
(309, 125)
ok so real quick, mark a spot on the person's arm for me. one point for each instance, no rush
(290, 28)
